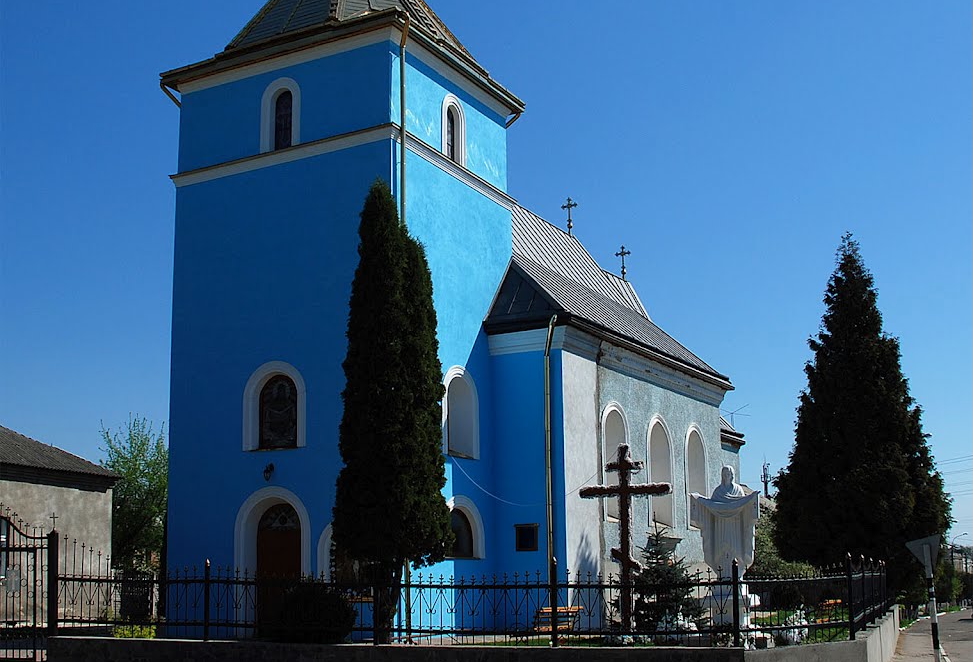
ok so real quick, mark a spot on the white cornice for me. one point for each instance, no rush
(387, 34)
(288, 60)
(337, 143)
(612, 357)
(295, 153)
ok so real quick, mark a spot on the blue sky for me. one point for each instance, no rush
(727, 145)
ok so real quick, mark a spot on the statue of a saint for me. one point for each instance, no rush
(727, 522)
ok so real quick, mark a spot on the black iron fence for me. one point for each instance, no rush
(218, 603)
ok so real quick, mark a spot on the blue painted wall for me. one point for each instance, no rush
(486, 134)
(341, 93)
(263, 269)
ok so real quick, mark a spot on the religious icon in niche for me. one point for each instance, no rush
(278, 413)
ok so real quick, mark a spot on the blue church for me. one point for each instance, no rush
(281, 134)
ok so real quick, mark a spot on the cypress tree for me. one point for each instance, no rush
(389, 508)
(860, 479)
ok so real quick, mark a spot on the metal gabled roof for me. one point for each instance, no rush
(20, 450)
(551, 270)
(279, 17)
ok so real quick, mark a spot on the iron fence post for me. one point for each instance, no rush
(206, 578)
(553, 591)
(850, 603)
(736, 603)
(866, 601)
(52, 582)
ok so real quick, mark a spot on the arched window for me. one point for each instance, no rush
(660, 471)
(461, 424)
(467, 526)
(280, 115)
(278, 414)
(454, 130)
(613, 434)
(274, 408)
(283, 109)
(463, 532)
(695, 465)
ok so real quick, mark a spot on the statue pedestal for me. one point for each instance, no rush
(719, 603)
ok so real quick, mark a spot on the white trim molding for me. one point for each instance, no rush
(251, 402)
(451, 101)
(467, 507)
(454, 373)
(268, 115)
(324, 553)
(248, 517)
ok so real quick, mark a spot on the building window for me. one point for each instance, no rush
(278, 413)
(274, 408)
(660, 471)
(283, 109)
(467, 526)
(461, 424)
(695, 465)
(280, 115)
(463, 532)
(526, 537)
(613, 433)
(454, 130)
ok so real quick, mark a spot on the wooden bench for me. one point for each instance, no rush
(565, 620)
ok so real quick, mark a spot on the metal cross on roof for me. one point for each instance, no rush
(569, 205)
(622, 253)
(625, 490)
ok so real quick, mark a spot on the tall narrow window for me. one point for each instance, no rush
(283, 116)
(660, 471)
(463, 532)
(278, 413)
(461, 416)
(451, 133)
(454, 130)
(614, 434)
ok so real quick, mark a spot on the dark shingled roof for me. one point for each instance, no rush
(729, 434)
(19, 450)
(551, 270)
(279, 17)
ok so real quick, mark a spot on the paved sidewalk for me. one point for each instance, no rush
(955, 629)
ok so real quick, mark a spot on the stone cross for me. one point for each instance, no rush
(569, 205)
(625, 490)
(622, 253)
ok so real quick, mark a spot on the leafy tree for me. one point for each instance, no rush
(389, 508)
(861, 479)
(139, 455)
(664, 587)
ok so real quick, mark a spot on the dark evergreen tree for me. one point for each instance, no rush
(664, 587)
(389, 508)
(861, 479)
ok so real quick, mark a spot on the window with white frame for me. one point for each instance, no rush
(274, 408)
(467, 526)
(461, 424)
(280, 115)
(454, 130)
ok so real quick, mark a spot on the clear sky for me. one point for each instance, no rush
(728, 145)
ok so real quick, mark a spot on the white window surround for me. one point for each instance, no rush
(459, 372)
(268, 114)
(459, 139)
(468, 508)
(251, 403)
(248, 517)
(610, 455)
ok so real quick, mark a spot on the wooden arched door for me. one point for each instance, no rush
(278, 560)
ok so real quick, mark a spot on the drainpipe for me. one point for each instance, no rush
(402, 132)
(549, 462)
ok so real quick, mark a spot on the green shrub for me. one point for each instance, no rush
(312, 613)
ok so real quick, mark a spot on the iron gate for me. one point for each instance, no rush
(25, 601)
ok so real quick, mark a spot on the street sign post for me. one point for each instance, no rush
(927, 551)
